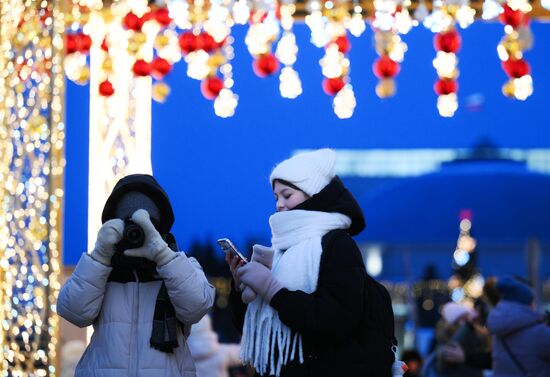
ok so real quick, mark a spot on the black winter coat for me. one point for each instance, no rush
(331, 319)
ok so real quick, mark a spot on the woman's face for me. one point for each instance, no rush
(287, 197)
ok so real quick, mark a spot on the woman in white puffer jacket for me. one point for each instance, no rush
(141, 301)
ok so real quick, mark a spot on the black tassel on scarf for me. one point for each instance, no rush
(165, 324)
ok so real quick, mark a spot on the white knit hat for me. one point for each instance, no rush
(452, 312)
(309, 171)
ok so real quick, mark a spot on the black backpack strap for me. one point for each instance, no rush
(513, 356)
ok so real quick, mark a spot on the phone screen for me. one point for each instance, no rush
(227, 246)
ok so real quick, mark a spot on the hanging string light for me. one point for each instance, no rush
(391, 18)
(287, 51)
(328, 25)
(160, 32)
(447, 42)
(517, 39)
(262, 33)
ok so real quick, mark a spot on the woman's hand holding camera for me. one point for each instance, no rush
(108, 236)
(154, 248)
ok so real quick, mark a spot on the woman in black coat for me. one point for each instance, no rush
(309, 318)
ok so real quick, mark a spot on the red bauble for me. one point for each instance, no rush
(221, 43)
(84, 42)
(162, 16)
(106, 89)
(385, 68)
(516, 68)
(449, 41)
(206, 42)
(71, 43)
(160, 67)
(444, 86)
(265, 65)
(105, 45)
(131, 22)
(141, 68)
(343, 43)
(188, 42)
(333, 86)
(511, 17)
(143, 19)
(211, 87)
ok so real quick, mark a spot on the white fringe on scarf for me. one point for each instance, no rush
(267, 343)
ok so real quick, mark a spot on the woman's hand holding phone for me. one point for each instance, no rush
(235, 263)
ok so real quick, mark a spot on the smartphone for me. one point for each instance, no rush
(228, 247)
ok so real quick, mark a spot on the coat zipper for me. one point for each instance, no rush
(134, 365)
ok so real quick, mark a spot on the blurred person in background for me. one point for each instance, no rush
(521, 338)
(457, 329)
(212, 358)
(454, 353)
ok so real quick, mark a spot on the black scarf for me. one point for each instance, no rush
(129, 269)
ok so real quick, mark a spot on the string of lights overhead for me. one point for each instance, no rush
(199, 33)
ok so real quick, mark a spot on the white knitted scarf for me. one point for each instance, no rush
(296, 238)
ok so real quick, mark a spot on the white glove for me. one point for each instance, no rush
(154, 248)
(108, 236)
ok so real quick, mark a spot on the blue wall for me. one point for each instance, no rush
(215, 170)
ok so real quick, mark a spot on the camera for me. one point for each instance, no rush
(132, 236)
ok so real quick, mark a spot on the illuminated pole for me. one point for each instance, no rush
(32, 136)
(120, 125)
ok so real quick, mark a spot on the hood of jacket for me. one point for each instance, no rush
(509, 317)
(147, 185)
(335, 197)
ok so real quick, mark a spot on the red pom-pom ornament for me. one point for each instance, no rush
(84, 42)
(443, 87)
(143, 19)
(265, 65)
(160, 67)
(71, 43)
(188, 42)
(385, 67)
(516, 68)
(449, 41)
(343, 43)
(211, 87)
(131, 22)
(511, 17)
(206, 42)
(141, 68)
(105, 45)
(333, 85)
(106, 89)
(162, 16)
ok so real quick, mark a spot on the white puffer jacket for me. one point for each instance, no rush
(122, 316)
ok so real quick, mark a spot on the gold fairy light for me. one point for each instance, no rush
(32, 135)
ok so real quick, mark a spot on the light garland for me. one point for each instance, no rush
(335, 64)
(200, 31)
(32, 137)
(287, 51)
(447, 43)
(516, 40)
(391, 18)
